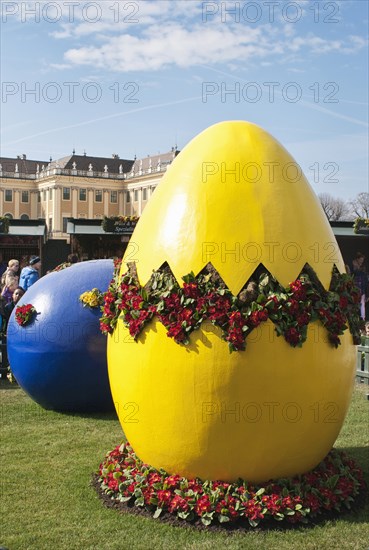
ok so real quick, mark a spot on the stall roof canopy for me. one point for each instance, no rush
(85, 227)
(27, 227)
(346, 229)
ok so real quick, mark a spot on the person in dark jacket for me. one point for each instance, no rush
(8, 308)
(360, 279)
(30, 274)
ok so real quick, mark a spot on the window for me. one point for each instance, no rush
(128, 196)
(8, 195)
(8, 215)
(98, 195)
(50, 225)
(51, 194)
(44, 195)
(39, 196)
(65, 222)
(83, 194)
(25, 196)
(114, 196)
(136, 195)
(144, 194)
(24, 217)
(66, 193)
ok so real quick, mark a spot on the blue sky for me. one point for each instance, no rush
(138, 77)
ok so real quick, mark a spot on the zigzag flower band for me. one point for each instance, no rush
(182, 309)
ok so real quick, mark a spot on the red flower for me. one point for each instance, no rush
(298, 289)
(257, 317)
(190, 290)
(311, 501)
(154, 478)
(272, 503)
(106, 328)
(24, 314)
(163, 497)
(173, 302)
(293, 306)
(292, 336)
(182, 310)
(185, 315)
(232, 500)
(334, 339)
(203, 505)
(113, 484)
(253, 510)
(178, 503)
(303, 319)
(137, 302)
(176, 332)
(172, 481)
(195, 486)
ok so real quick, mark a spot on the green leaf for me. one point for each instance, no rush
(124, 499)
(157, 513)
(254, 522)
(223, 519)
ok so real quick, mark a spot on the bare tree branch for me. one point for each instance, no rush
(335, 209)
(360, 205)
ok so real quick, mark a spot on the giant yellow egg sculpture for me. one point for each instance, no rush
(236, 198)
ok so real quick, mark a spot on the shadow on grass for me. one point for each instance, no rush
(108, 416)
(360, 455)
(6, 385)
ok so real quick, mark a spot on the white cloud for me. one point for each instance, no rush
(150, 35)
(173, 44)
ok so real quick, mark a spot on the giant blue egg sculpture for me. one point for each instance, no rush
(59, 358)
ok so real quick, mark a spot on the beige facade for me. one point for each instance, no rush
(55, 192)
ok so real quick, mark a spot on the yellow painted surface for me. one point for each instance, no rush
(256, 215)
(267, 412)
(271, 410)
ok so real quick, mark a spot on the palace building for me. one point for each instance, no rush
(57, 207)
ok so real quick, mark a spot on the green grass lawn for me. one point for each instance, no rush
(46, 500)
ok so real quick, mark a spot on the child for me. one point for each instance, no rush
(11, 271)
(17, 295)
(7, 292)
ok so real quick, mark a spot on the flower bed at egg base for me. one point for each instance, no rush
(334, 487)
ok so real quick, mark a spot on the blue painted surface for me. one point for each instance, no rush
(59, 359)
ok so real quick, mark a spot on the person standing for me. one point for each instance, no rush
(8, 308)
(361, 279)
(31, 273)
(11, 272)
(9, 288)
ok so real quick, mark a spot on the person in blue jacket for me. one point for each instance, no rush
(30, 274)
